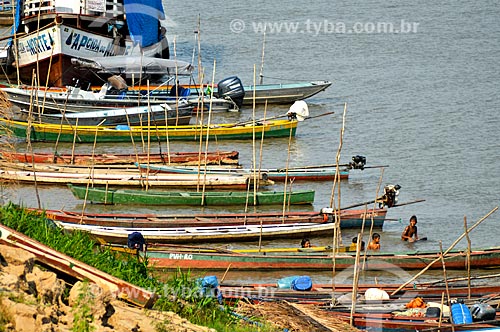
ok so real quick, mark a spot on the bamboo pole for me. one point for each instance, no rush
(261, 148)
(30, 147)
(286, 172)
(354, 294)
(91, 170)
(148, 148)
(372, 220)
(200, 126)
(225, 273)
(441, 311)
(447, 250)
(16, 53)
(261, 74)
(336, 229)
(208, 135)
(441, 255)
(468, 258)
(254, 154)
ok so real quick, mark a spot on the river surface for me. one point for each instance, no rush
(423, 101)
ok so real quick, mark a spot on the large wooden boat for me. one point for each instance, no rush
(115, 93)
(193, 258)
(210, 198)
(77, 269)
(348, 218)
(185, 158)
(39, 132)
(50, 33)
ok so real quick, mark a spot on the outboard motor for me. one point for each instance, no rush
(232, 88)
(390, 196)
(358, 162)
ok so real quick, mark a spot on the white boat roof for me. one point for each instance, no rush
(135, 65)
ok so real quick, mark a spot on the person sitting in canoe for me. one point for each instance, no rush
(305, 243)
(136, 241)
(375, 242)
(410, 232)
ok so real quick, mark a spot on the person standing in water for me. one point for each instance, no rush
(410, 232)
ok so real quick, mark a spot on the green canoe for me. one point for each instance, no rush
(155, 197)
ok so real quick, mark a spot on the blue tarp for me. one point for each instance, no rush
(143, 20)
(17, 20)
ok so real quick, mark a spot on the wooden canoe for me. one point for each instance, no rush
(348, 218)
(275, 174)
(193, 259)
(131, 179)
(394, 322)
(188, 158)
(77, 269)
(222, 198)
(118, 235)
(126, 116)
(322, 293)
(90, 134)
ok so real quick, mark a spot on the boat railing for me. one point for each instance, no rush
(109, 8)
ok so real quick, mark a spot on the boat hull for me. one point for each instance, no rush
(188, 158)
(119, 235)
(174, 259)
(348, 218)
(119, 196)
(319, 174)
(285, 93)
(91, 134)
(133, 116)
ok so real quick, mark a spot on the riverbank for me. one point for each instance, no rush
(36, 299)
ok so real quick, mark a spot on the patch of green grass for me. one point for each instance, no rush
(82, 313)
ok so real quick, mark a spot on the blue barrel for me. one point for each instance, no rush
(460, 314)
(302, 283)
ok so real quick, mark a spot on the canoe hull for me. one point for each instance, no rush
(172, 259)
(91, 134)
(111, 196)
(119, 235)
(348, 219)
(189, 158)
(321, 174)
(283, 93)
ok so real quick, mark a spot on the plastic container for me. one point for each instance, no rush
(460, 314)
(302, 283)
(482, 311)
(432, 312)
(286, 282)
(210, 282)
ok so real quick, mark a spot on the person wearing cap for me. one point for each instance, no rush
(410, 233)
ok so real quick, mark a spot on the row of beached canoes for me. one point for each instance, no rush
(100, 182)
